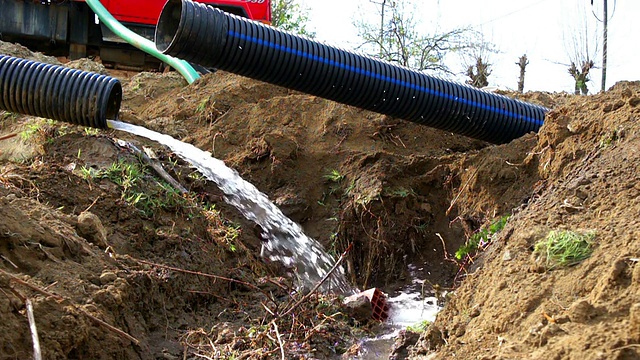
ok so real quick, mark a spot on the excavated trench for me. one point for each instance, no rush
(390, 188)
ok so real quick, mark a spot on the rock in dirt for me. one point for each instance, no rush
(359, 308)
(90, 227)
(581, 311)
(405, 339)
(107, 277)
(430, 340)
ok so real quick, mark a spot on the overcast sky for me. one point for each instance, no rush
(535, 27)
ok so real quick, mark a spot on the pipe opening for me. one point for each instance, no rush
(113, 104)
(168, 26)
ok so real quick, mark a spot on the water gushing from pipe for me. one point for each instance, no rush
(285, 240)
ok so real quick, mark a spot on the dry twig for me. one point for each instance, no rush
(5, 137)
(453, 202)
(32, 287)
(198, 273)
(275, 326)
(110, 327)
(37, 354)
(155, 165)
(315, 288)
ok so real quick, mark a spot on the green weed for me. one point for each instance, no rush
(4, 115)
(334, 176)
(481, 238)
(202, 105)
(564, 248)
(608, 139)
(42, 129)
(88, 172)
(402, 192)
(89, 131)
(419, 327)
(421, 228)
(146, 196)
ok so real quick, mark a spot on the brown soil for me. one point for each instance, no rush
(84, 247)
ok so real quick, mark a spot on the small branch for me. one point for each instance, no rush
(32, 287)
(326, 276)
(93, 203)
(453, 202)
(157, 167)
(446, 253)
(251, 286)
(9, 261)
(625, 347)
(109, 327)
(199, 274)
(275, 326)
(5, 137)
(37, 354)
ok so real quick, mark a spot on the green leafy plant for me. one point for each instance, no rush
(42, 130)
(139, 189)
(7, 115)
(564, 248)
(481, 238)
(30, 131)
(609, 138)
(202, 105)
(334, 176)
(89, 131)
(223, 231)
(419, 327)
(402, 192)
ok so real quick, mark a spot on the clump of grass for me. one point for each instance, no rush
(138, 188)
(481, 239)
(564, 248)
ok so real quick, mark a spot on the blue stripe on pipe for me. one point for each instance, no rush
(383, 78)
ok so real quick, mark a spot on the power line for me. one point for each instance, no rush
(510, 13)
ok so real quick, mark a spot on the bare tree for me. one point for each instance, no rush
(476, 61)
(522, 63)
(396, 38)
(581, 76)
(478, 73)
(582, 44)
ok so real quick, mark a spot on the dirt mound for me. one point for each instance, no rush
(97, 240)
(580, 174)
(20, 51)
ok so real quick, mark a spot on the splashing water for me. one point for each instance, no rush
(286, 242)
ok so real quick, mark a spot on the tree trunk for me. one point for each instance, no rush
(523, 64)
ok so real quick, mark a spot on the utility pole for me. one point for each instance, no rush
(605, 24)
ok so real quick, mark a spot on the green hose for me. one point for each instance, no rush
(141, 43)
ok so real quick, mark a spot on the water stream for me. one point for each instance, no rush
(287, 243)
(409, 306)
(285, 240)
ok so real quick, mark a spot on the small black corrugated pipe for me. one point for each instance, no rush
(209, 37)
(58, 93)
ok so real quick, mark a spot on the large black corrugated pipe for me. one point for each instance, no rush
(58, 93)
(207, 36)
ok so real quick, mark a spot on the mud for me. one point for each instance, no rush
(180, 273)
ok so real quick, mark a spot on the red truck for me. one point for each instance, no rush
(70, 28)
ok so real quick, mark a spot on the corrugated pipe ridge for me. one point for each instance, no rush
(58, 93)
(212, 38)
